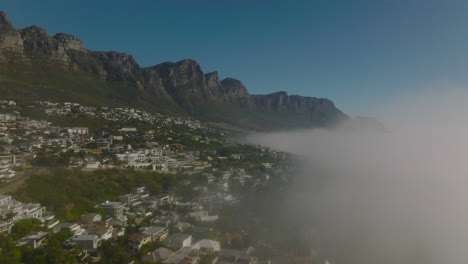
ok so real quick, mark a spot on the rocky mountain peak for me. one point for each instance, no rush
(5, 23)
(34, 32)
(212, 76)
(181, 72)
(212, 79)
(69, 41)
(234, 87)
(188, 63)
(188, 67)
(119, 66)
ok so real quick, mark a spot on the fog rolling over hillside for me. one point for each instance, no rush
(399, 196)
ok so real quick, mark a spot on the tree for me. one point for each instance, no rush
(113, 254)
(25, 226)
(55, 253)
(62, 235)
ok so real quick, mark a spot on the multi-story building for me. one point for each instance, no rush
(157, 233)
(90, 242)
(113, 209)
(78, 130)
(179, 240)
(18, 210)
(136, 241)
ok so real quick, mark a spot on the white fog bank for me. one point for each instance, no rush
(399, 196)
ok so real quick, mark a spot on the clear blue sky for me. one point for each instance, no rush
(358, 53)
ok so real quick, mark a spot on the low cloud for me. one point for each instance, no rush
(393, 196)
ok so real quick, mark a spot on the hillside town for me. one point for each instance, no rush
(158, 147)
(177, 225)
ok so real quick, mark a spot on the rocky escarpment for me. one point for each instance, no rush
(282, 102)
(69, 42)
(10, 39)
(189, 86)
(180, 87)
(233, 88)
(34, 43)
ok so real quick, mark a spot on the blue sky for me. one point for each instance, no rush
(358, 53)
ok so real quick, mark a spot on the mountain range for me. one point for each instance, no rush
(36, 66)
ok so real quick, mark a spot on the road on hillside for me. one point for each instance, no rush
(18, 179)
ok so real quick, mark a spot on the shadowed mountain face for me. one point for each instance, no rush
(34, 65)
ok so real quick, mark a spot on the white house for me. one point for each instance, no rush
(179, 240)
(89, 242)
(206, 246)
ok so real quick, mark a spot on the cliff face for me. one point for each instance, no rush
(180, 87)
(10, 39)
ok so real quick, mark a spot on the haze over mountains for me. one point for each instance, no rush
(34, 65)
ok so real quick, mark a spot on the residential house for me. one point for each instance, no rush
(103, 232)
(77, 130)
(179, 240)
(34, 240)
(165, 220)
(117, 221)
(206, 246)
(74, 227)
(89, 242)
(136, 241)
(183, 256)
(157, 255)
(91, 217)
(113, 209)
(157, 233)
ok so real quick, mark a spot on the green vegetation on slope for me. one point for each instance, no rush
(25, 82)
(70, 193)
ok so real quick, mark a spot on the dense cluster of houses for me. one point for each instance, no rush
(12, 211)
(183, 243)
(22, 138)
(117, 114)
(182, 226)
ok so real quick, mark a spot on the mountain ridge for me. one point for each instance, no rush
(35, 63)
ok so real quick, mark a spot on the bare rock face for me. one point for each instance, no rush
(212, 80)
(5, 23)
(282, 102)
(118, 66)
(36, 42)
(70, 42)
(234, 88)
(10, 39)
(182, 73)
(184, 82)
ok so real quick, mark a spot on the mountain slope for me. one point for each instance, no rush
(34, 65)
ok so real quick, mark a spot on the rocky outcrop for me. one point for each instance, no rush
(10, 39)
(69, 42)
(282, 102)
(5, 23)
(118, 66)
(35, 43)
(212, 81)
(234, 91)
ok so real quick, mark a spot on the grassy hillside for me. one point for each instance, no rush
(70, 193)
(25, 81)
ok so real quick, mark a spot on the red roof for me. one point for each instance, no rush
(226, 237)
